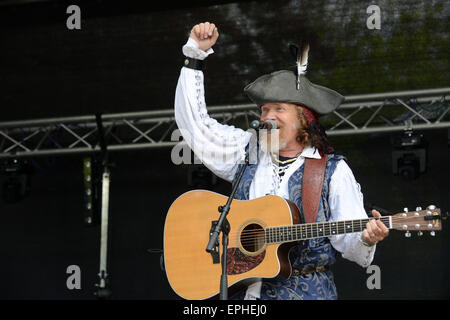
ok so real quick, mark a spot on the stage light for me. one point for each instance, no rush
(17, 182)
(91, 192)
(409, 157)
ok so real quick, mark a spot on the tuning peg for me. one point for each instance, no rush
(405, 209)
(408, 234)
(432, 233)
(431, 207)
(420, 233)
(418, 208)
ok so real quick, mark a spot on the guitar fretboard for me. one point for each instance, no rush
(307, 231)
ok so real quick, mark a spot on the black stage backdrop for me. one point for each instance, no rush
(126, 57)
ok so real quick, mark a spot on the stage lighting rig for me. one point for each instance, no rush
(92, 191)
(409, 155)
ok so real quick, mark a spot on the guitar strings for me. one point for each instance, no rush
(259, 234)
(252, 237)
(340, 224)
(303, 226)
(252, 233)
(288, 232)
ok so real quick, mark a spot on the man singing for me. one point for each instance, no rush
(293, 103)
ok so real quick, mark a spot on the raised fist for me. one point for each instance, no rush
(205, 34)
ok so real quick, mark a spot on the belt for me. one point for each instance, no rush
(300, 272)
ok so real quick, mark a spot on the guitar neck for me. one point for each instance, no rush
(298, 232)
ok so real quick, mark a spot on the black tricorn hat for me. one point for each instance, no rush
(281, 86)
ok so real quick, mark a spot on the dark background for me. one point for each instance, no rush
(126, 57)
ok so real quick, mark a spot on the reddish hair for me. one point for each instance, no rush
(311, 133)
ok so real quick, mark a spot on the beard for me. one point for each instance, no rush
(271, 142)
(275, 140)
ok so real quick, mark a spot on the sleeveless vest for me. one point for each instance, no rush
(312, 253)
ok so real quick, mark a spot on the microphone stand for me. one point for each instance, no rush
(223, 226)
(103, 292)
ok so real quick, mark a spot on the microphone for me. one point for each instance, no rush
(268, 124)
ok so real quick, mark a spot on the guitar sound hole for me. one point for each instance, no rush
(252, 237)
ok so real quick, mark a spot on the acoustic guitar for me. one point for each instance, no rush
(262, 231)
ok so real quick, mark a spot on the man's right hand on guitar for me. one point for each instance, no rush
(205, 34)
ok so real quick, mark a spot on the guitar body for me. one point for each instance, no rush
(193, 273)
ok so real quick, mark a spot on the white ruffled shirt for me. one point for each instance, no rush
(221, 147)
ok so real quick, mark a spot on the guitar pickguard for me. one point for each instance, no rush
(238, 262)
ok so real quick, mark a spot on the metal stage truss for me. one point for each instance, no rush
(359, 114)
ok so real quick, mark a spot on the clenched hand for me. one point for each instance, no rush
(205, 34)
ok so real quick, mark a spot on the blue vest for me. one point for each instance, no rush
(311, 254)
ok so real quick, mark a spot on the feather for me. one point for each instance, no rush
(300, 57)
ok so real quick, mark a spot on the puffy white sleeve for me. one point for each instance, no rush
(346, 203)
(220, 147)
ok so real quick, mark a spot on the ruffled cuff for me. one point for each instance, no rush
(191, 50)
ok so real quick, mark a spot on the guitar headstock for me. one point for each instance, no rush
(418, 220)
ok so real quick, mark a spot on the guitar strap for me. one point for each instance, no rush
(312, 184)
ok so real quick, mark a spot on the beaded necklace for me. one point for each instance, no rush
(280, 166)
